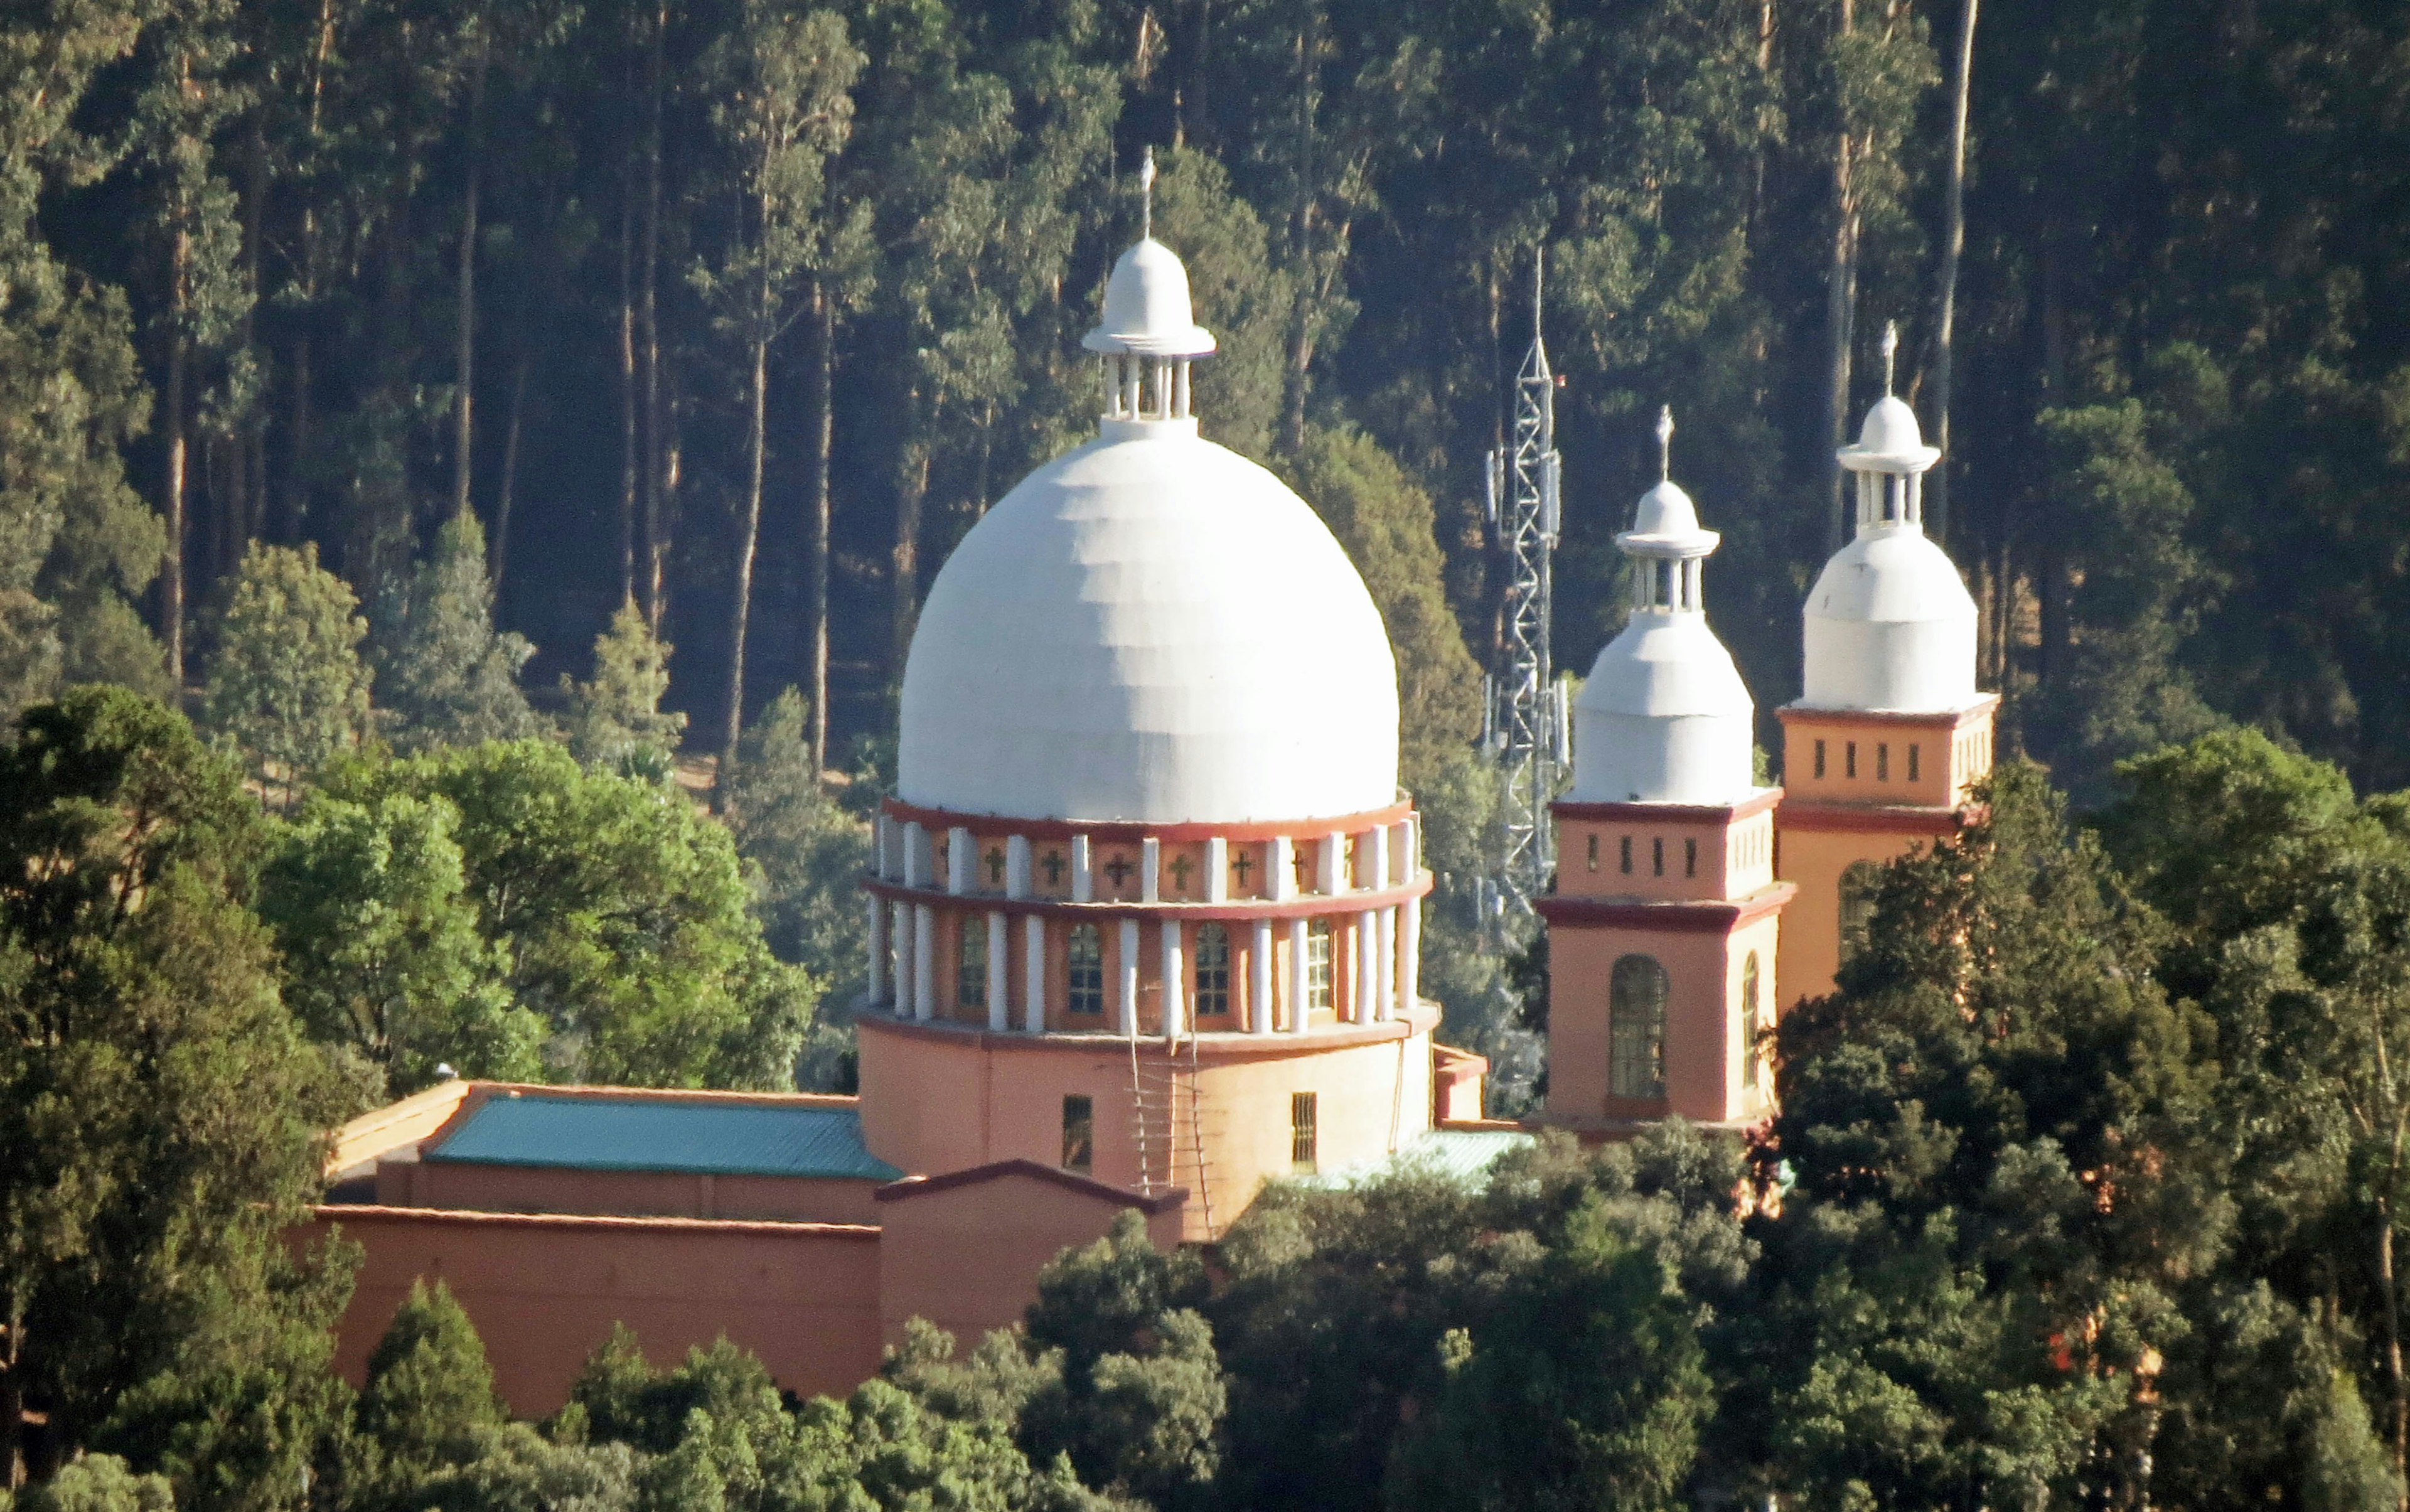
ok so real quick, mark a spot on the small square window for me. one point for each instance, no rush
(1079, 1134)
(1302, 1139)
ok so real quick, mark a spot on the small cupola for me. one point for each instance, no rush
(1149, 334)
(1890, 457)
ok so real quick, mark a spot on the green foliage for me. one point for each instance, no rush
(805, 855)
(99, 1483)
(521, 1471)
(286, 684)
(617, 718)
(621, 912)
(160, 1114)
(370, 904)
(428, 1403)
(448, 677)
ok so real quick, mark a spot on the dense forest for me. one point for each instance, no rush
(744, 311)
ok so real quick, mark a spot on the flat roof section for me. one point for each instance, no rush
(587, 1132)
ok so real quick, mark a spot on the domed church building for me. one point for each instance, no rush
(1147, 896)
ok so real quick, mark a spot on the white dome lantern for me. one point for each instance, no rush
(1149, 628)
(1889, 624)
(1664, 716)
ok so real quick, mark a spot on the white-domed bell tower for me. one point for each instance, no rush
(1889, 730)
(1663, 927)
(1147, 904)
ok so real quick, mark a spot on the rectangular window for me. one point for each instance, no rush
(1626, 850)
(1302, 1141)
(1079, 1134)
(1882, 762)
(1820, 758)
(1849, 758)
(1213, 969)
(1914, 752)
(1593, 852)
(1317, 967)
(1689, 858)
(1657, 856)
(970, 972)
(1087, 962)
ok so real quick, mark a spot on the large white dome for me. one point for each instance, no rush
(1149, 628)
(1889, 625)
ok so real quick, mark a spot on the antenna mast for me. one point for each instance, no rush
(1526, 717)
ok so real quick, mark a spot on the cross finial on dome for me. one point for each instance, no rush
(1890, 349)
(1146, 194)
(1666, 444)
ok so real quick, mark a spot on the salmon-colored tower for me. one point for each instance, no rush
(1147, 905)
(1666, 919)
(1888, 731)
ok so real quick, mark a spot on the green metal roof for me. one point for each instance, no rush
(706, 1137)
(1465, 1153)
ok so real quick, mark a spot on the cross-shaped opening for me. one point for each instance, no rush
(1180, 869)
(1242, 863)
(995, 866)
(1053, 864)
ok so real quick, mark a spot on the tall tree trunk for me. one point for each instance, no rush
(464, 366)
(1840, 315)
(1953, 243)
(628, 455)
(648, 317)
(739, 612)
(912, 490)
(823, 436)
(172, 587)
(298, 459)
(2053, 590)
(511, 430)
(12, 1402)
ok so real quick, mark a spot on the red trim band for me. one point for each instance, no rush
(1669, 813)
(1985, 705)
(1889, 819)
(1234, 910)
(1683, 917)
(1125, 831)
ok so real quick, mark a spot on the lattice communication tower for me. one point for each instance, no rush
(1526, 714)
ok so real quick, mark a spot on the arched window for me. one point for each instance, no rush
(970, 972)
(1750, 1028)
(1087, 960)
(1859, 884)
(1637, 1028)
(1213, 969)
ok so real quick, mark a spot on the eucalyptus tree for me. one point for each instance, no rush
(785, 79)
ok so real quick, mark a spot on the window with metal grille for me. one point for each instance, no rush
(1317, 966)
(1302, 1111)
(1087, 962)
(1213, 969)
(970, 972)
(1079, 1133)
(1637, 1028)
(1593, 852)
(1750, 1027)
(1859, 884)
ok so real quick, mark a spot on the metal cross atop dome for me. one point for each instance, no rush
(1526, 716)
(1890, 350)
(1146, 195)
(1666, 444)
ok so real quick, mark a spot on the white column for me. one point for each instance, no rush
(1301, 1012)
(1016, 866)
(1409, 954)
(1129, 979)
(1217, 869)
(1083, 879)
(1373, 850)
(1150, 870)
(1367, 968)
(1172, 997)
(1260, 978)
(1405, 859)
(925, 961)
(877, 950)
(999, 974)
(1033, 1000)
(899, 940)
(916, 855)
(1280, 861)
(1334, 861)
(1384, 968)
(960, 858)
(883, 837)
